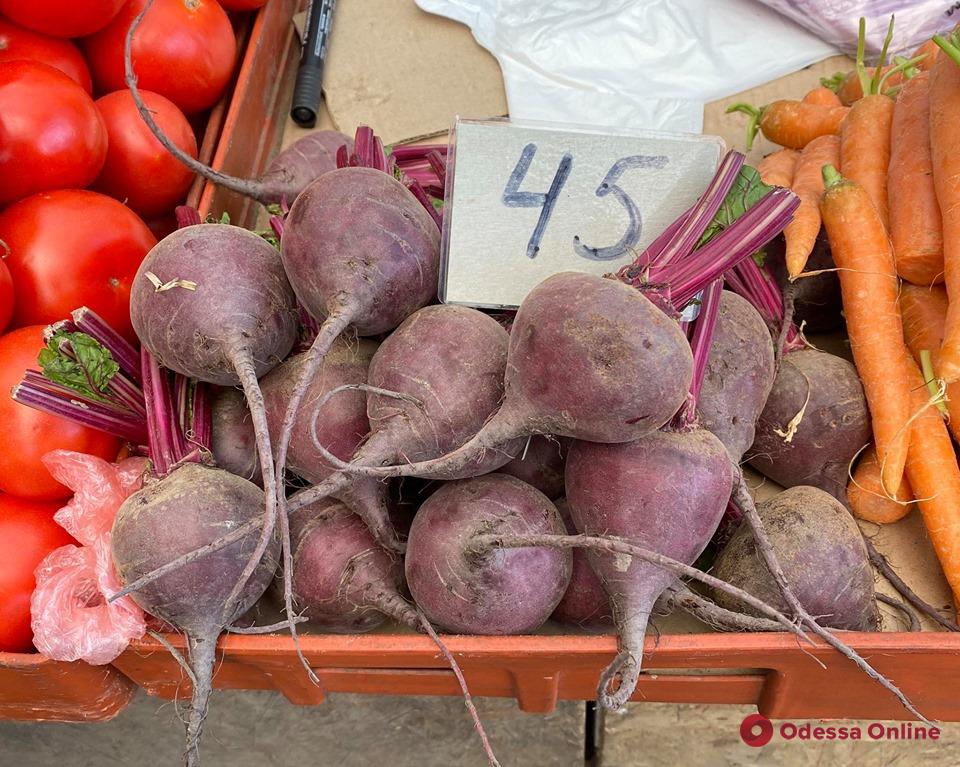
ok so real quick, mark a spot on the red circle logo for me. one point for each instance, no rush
(756, 730)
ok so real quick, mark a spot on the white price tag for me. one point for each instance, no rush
(524, 201)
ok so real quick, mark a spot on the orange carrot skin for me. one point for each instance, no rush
(945, 153)
(801, 233)
(823, 96)
(935, 479)
(924, 312)
(851, 91)
(865, 148)
(866, 496)
(794, 124)
(915, 222)
(931, 50)
(869, 285)
(777, 168)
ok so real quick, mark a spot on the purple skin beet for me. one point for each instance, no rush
(665, 492)
(585, 603)
(450, 360)
(343, 580)
(541, 464)
(739, 375)
(492, 591)
(185, 510)
(579, 362)
(234, 444)
(834, 428)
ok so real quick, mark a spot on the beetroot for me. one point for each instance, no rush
(833, 426)
(665, 492)
(188, 509)
(541, 464)
(581, 352)
(343, 580)
(817, 304)
(739, 375)
(234, 443)
(510, 591)
(585, 602)
(212, 302)
(451, 361)
(822, 552)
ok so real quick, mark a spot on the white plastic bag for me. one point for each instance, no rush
(837, 21)
(631, 63)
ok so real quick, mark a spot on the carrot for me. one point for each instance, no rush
(929, 50)
(777, 168)
(822, 95)
(924, 312)
(869, 286)
(865, 148)
(945, 153)
(801, 233)
(935, 478)
(866, 496)
(915, 222)
(850, 89)
(792, 124)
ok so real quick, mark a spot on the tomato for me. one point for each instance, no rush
(51, 134)
(183, 49)
(17, 43)
(242, 5)
(6, 295)
(73, 248)
(138, 169)
(27, 534)
(26, 435)
(62, 18)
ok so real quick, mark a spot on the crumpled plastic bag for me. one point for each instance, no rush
(70, 615)
(836, 22)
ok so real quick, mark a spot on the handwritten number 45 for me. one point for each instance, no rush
(546, 201)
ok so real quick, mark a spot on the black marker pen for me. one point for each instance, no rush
(306, 93)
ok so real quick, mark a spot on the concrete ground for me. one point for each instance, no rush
(259, 729)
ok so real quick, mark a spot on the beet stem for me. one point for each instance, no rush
(915, 600)
(187, 216)
(203, 656)
(741, 496)
(123, 352)
(243, 365)
(702, 340)
(242, 186)
(159, 441)
(709, 612)
(467, 697)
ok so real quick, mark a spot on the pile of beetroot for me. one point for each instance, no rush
(575, 466)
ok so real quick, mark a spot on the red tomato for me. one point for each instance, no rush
(17, 43)
(138, 169)
(242, 5)
(6, 295)
(27, 534)
(51, 134)
(26, 434)
(183, 49)
(73, 248)
(62, 18)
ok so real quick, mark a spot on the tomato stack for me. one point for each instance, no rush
(85, 190)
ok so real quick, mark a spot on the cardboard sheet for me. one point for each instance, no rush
(408, 74)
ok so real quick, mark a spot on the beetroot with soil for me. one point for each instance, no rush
(584, 603)
(541, 464)
(665, 492)
(488, 591)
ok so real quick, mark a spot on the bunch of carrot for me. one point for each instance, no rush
(893, 222)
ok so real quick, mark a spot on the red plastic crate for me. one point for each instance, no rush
(773, 671)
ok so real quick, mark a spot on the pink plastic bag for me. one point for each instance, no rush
(71, 618)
